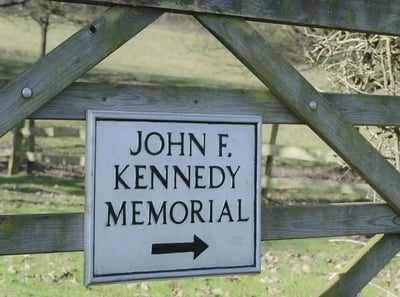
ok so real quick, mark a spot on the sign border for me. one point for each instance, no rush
(89, 222)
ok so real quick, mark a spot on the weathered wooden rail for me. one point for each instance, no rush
(64, 232)
(23, 152)
(294, 100)
(357, 109)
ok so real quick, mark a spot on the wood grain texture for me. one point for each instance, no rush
(360, 15)
(80, 97)
(14, 159)
(326, 220)
(45, 233)
(296, 93)
(70, 60)
(364, 266)
(41, 233)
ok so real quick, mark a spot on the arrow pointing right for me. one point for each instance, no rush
(198, 246)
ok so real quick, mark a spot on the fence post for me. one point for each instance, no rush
(30, 143)
(15, 155)
(270, 159)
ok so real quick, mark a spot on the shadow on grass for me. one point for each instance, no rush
(25, 183)
(13, 63)
(137, 77)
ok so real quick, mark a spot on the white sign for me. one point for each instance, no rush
(171, 195)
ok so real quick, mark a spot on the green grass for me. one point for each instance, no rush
(40, 194)
(290, 268)
(183, 56)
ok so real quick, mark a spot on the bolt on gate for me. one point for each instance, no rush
(43, 90)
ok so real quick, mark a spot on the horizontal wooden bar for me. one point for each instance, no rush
(326, 220)
(60, 159)
(41, 233)
(73, 103)
(46, 233)
(359, 15)
(53, 132)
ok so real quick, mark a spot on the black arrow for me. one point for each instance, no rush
(197, 247)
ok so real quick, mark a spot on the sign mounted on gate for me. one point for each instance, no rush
(171, 195)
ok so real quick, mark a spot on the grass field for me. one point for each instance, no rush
(178, 54)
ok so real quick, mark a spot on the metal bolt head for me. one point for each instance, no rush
(27, 93)
(313, 105)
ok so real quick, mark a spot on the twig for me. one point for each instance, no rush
(383, 289)
(347, 240)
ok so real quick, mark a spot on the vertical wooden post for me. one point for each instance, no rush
(270, 159)
(30, 143)
(272, 141)
(15, 156)
(397, 147)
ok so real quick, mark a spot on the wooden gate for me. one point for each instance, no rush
(43, 91)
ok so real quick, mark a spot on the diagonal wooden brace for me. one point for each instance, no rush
(70, 60)
(364, 266)
(306, 103)
(314, 109)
